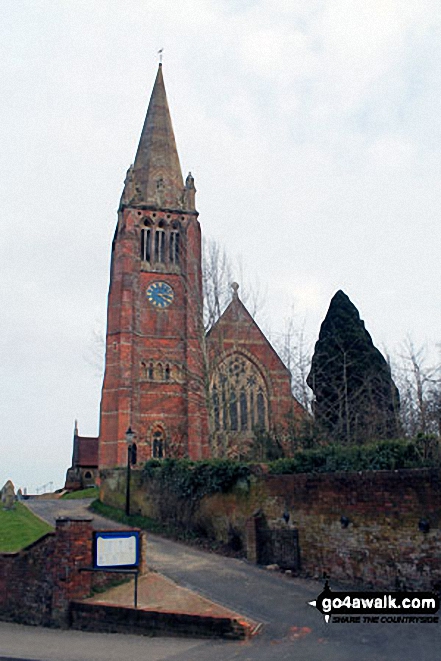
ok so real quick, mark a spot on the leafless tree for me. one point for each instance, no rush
(219, 271)
(294, 348)
(419, 382)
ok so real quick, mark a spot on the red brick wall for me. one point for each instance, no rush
(115, 619)
(38, 583)
(26, 583)
(381, 547)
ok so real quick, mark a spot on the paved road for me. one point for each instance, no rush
(50, 510)
(291, 628)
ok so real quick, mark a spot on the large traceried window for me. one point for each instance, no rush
(239, 396)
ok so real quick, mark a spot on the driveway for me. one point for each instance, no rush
(50, 510)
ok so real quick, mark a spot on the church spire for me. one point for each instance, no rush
(155, 178)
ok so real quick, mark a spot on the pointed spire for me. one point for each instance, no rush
(155, 178)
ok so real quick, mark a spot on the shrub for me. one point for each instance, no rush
(381, 455)
(194, 480)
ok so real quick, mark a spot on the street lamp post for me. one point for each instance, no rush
(130, 435)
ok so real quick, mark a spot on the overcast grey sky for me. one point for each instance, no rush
(313, 132)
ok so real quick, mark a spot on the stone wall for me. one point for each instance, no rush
(38, 583)
(357, 528)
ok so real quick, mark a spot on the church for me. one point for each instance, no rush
(181, 391)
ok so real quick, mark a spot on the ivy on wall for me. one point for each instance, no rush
(194, 480)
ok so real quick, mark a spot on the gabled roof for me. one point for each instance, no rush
(237, 328)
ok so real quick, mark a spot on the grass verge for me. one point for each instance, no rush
(134, 520)
(19, 528)
(91, 492)
(150, 525)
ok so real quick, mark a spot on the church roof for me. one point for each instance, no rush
(237, 328)
(155, 179)
(87, 451)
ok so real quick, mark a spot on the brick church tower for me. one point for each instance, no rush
(154, 379)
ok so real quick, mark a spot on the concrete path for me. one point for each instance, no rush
(292, 629)
(159, 593)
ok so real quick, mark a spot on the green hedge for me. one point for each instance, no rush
(194, 480)
(382, 455)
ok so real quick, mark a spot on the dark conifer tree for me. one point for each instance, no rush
(356, 399)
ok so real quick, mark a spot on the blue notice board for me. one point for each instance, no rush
(119, 549)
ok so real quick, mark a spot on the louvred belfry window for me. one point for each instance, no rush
(145, 244)
(159, 246)
(174, 247)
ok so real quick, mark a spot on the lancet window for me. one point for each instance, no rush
(174, 247)
(160, 246)
(146, 244)
(158, 443)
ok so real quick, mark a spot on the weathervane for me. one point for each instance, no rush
(160, 51)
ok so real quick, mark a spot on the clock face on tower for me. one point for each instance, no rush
(160, 294)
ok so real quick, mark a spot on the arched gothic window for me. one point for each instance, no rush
(239, 396)
(158, 443)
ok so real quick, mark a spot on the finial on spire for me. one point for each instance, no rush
(235, 288)
(160, 51)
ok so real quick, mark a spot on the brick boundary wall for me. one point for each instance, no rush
(382, 545)
(117, 619)
(38, 583)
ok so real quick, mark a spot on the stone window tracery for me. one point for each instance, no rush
(239, 396)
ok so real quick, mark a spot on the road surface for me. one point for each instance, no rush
(291, 628)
